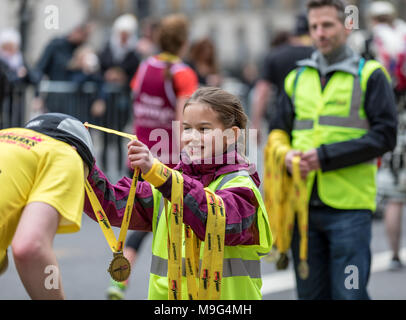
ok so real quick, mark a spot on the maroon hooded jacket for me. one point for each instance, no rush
(240, 202)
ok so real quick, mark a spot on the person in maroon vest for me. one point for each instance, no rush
(161, 86)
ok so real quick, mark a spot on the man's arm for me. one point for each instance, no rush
(44, 62)
(285, 115)
(32, 250)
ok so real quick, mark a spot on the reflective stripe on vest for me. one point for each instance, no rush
(226, 179)
(161, 207)
(352, 121)
(303, 125)
(231, 176)
(232, 267)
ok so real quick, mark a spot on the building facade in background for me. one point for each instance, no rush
(241, 29)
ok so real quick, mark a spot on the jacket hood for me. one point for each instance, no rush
(345, 60)
(208, 170)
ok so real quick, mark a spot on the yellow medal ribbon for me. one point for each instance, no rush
(302, 211)
(115, 245)
(285, 199)
(277, 185)
(192, 249)
(211, 273)
(208, 285)
(175, 237)
(169, 57)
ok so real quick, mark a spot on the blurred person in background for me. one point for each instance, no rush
(84, 65)
(338, 114)
(281, 38)
(11, 57)
(387, 43)
(119, 61)
(161, 86)
(147, 44)
(202, 58)
(14, 75)
(280, 60)
(84, 68)
(54, 62)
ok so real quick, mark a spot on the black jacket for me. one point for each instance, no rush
(129, 64)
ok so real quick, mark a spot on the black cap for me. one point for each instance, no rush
(301, 25)
(68, 129)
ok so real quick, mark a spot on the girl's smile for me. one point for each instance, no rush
(202, 132)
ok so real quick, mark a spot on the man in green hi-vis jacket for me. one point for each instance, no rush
(340, 114)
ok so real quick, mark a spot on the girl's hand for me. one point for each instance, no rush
(140, 156)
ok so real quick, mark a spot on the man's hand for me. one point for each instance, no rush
(312, 159)
(309, 161)
(289, 157)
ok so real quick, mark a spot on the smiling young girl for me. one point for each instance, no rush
(212, 123)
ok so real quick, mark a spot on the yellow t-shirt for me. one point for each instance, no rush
(37, 168)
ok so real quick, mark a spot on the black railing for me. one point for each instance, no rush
(12, 105)
(76, 100)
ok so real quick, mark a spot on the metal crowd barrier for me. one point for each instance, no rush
(76, 100)
(12, 105)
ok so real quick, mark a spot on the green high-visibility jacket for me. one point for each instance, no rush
(333, 115)
(241, 268)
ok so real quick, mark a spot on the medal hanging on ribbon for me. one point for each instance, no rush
(211, 274)
(302, 216)
(175, 237)
(208, 285)
(120, 267)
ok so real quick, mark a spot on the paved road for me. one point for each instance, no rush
(84, 259)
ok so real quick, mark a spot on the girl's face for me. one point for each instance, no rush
(203, 133)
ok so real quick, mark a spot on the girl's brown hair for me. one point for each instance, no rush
(228, 106)
(229, 109)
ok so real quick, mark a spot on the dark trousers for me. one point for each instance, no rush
(339, 255)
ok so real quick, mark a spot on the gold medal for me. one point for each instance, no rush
(282, 262)
(120, 267)
(303, 270)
